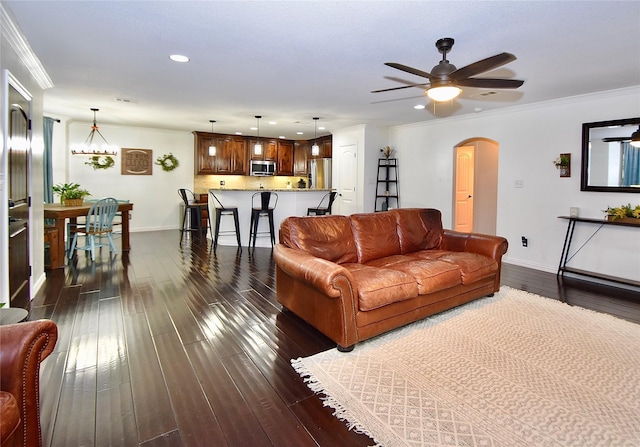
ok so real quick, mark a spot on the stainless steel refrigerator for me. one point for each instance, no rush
(320, 173)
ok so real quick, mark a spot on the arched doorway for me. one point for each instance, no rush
(475, 185)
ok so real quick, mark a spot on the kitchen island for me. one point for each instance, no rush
(291, 202)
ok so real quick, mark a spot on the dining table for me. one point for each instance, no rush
(60, 213)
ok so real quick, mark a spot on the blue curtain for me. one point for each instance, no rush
(47, 159)
(630, 165)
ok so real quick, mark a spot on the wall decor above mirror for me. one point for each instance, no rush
(609, 162)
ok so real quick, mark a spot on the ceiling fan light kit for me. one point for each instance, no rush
(445, 79)
(443, 93)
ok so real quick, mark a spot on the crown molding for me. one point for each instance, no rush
(18, 42)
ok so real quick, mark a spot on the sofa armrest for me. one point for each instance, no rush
(483, 244)
(23, 346)
(317, 272)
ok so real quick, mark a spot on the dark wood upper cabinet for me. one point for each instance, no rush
(231, 154)
(285, 157)
(234, 153)
(301, 157)
(326, 147)
(269, 149)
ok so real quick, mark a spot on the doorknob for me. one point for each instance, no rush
(469, 196)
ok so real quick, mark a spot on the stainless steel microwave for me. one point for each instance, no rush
(260, 167)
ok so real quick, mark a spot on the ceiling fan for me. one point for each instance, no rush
(445, 79)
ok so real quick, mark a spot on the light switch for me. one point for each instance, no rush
(518, 183)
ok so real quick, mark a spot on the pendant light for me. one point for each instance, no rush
(315, 149)
(635, 138)
(257, 149)
(212, 148)
(91, 148)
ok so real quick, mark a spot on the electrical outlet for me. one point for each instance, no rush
(525, 242)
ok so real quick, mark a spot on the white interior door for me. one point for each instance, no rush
(464, 189)
(347, 179)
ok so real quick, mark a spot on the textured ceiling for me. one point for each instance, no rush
(291, 60)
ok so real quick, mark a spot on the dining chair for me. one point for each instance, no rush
(99, 222)
(321, 210)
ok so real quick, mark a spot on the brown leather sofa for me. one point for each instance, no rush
(23, 346)
(355, 277)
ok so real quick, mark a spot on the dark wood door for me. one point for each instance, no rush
(19, 148)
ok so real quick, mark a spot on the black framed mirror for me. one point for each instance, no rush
(609, 162)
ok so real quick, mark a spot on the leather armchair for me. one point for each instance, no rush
(23, 347)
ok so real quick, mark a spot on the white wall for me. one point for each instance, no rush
(530, 138)
(156, 204)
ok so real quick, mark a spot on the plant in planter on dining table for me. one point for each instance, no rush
(70, 192)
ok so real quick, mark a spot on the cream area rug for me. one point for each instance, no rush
(512, 370)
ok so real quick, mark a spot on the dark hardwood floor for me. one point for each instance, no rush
(174, 345)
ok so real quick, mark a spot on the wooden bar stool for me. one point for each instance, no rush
(263, 203)
(222, 210)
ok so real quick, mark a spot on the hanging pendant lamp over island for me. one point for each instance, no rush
(89, 147)
(257, 149)
(212, 148)
(315, 149)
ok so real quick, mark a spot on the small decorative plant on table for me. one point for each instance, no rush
(624, 213)
(71, 194)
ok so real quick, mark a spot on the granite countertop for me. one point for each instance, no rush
(270, 189)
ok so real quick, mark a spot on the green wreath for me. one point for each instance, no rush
(97, 162)
(168, 162)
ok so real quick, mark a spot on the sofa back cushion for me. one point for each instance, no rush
(376, 235)
(418, 228)
(326, 237)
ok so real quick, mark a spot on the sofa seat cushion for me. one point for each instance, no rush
(378, 287)
(472, 265)
(431, 275)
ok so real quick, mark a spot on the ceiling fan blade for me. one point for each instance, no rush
(481, 66)
(411, 70)
(398, 88)
(490, 83)
(615, 139)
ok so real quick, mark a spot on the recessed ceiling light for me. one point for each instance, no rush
(179, 58)
(419, 107)
(282, 137)
(273, 123)
(299, 133)
(321, 128)
(253, 128)
(238, 133)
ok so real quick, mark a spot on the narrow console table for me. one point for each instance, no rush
(562, 268)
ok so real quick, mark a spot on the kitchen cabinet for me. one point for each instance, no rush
(285, 157)
(204, 164)
(326, 147)
(269, 149)
(231, 154)
(300, 158)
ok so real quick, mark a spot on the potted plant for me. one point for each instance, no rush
(624, 213)
(71, 194)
